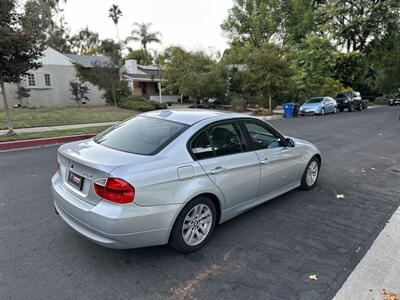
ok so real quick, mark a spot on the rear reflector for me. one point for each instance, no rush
(114, 190)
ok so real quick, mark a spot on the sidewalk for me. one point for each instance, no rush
(379, 270)
(61, 127)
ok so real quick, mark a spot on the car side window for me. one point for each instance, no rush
(226, 139)
(261, 136)
(201, 147)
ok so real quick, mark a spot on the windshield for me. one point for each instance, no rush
(141, 135)
(344, 95)
(315, 100)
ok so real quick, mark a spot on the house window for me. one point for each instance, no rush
(31, 80)
(47, 79)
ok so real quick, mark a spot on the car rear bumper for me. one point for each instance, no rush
(114, 225)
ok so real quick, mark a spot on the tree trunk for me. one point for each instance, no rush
(8, 111)
(114, 98)
(270, 102)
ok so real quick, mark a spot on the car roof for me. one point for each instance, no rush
(191, 116)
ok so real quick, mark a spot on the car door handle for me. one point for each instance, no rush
(264, 161)
(218, 170)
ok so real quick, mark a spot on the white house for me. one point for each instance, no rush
(50, 84)
(146, 81)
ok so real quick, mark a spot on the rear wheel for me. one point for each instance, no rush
(341, 109)
(323, 111)
(310, 174)
(194, 226)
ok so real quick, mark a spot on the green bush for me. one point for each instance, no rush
(159, 105)
(382, 100)
(238, 104)
(137, 103)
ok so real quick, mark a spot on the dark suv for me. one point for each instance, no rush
(350, 101)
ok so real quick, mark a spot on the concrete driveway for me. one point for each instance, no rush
(266, 253)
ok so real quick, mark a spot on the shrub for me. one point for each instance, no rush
(238, 104)
(159, 105)
(382, 100)
(137, 103)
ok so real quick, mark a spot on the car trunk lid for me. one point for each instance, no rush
(86, 161)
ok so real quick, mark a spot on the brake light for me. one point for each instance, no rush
(114, 190)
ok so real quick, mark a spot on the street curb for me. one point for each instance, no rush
(42, 142)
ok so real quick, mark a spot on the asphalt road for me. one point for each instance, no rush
(266, 253)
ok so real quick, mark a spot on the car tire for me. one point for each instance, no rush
(360, 107)
(323, 111)
(311, 174)
(351, 107)
(190, 217)
(335, 110)
(341, 109)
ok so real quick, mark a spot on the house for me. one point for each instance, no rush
(142, 80)
(146, 81)
(50, 84)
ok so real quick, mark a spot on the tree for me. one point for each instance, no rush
(142, 33)
(105, 75)
(19, 52)
(312, 65)
(79, 91)
(22, 93)
(350, 69)
(332, 87)
(193, 74)
(39, 20)
(115, 13)
(268, 72)
(253, 21)
(85, 41)
(142, 57)
(356, 23)
(110, 49)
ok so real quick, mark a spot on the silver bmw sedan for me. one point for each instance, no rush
(170, 176)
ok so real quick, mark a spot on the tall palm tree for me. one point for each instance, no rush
(114, 13)
(142, 33)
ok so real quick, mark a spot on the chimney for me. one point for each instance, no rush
(131, 66)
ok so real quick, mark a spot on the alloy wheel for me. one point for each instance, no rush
(197, 224)
(312, 173)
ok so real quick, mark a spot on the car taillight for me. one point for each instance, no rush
(114, 190)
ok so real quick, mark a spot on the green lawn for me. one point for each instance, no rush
(53, 133)
(37, 117)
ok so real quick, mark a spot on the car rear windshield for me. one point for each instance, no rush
(315, 100)
(141, 135)
(344, 95)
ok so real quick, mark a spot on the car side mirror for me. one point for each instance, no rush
(289, 142)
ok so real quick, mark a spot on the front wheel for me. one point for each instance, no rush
(194, 226)
(310, 174)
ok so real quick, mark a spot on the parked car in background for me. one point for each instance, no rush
(394, 100)
(318, 105)
(172, 176)
(215, 103)
(350, 101)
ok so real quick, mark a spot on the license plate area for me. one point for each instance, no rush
(75, 180)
